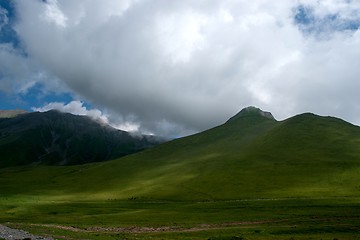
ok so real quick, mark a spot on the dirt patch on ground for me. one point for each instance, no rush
(136, 229)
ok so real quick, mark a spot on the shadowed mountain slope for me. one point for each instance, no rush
(56, 138)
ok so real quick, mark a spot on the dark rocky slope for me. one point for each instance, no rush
(55, 138)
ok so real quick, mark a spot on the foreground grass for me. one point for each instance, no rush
(241, 219)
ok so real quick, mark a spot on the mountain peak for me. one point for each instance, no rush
(252, 111)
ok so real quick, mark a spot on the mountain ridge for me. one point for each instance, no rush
(252, 111)
(252, 157)
(249, 158)
(58, 138)
(256, 172)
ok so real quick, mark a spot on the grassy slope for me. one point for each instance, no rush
(304, 168)
(173, 170)
(249, 157)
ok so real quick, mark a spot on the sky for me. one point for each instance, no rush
(174, 68)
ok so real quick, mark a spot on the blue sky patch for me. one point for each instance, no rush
(309, 23)
(7, 19)
(34, 97)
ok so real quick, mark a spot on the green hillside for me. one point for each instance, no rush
(251, 168)
(250, 156)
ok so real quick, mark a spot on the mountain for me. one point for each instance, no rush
(55, 138)
(251, 112)
(251, 156)
(11, 113)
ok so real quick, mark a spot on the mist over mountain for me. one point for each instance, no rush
(56, 138)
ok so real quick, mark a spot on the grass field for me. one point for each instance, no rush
(265, 218)
(251, 178)
(237, 219)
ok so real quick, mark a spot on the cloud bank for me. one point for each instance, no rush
(177, 67)
(79, 108)
(74, 107)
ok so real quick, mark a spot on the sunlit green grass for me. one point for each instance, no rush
(300, 177)
(253, 219)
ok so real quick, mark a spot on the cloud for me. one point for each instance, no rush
(328, 21)
(53, 14)
(74, 107)
(78, 108)
(177, 67)
(15, 71)
(13, 67)
(19, 73)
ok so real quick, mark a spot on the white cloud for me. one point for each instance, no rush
(16, 72)
(53, 13)
(78, 108)
(346, 9)
(193, 64)
(127, 126)
(180, 35)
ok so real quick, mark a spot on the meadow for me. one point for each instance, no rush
(237, 219)
(251, 178)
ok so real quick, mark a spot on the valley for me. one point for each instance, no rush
(251, 178)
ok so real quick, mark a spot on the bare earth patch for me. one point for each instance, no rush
(135, 229)
(16, 234)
